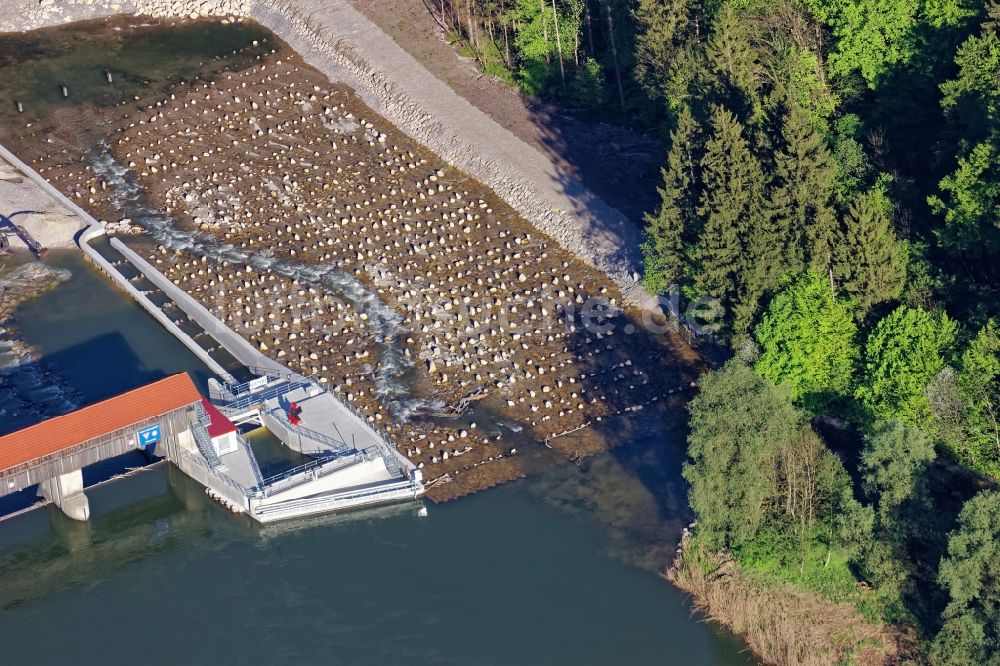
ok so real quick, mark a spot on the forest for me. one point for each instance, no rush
(832, 180)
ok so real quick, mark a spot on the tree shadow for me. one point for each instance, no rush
(926, 521)
(614, 162)
(641, 380)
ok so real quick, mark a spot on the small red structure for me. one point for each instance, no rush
(220, 429)
(293, 413)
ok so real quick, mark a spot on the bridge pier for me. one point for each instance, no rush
(66, 492)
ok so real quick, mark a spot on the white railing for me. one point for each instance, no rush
(300, 507)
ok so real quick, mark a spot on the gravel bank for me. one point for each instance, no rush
(340, 42)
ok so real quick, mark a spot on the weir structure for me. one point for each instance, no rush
(352, 462)
(170, 419)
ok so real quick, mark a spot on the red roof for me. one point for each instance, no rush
(64, 432)
(220, 425)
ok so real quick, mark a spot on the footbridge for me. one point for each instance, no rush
(53, 453)
(172, 420)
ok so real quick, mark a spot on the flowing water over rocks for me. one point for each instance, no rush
(340, 247)
(29, 389)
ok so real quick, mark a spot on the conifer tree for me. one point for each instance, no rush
(735, 63)
(802, 196)
(869, 261)
(731, 204)
(666, 232)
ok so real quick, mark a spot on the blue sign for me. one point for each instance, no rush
(149, 436)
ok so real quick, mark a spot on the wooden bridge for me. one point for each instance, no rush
(53, 453)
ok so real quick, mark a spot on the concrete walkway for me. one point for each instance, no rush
(24, 202)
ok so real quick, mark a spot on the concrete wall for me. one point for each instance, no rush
(365, 471)
(66, 492)
(94, 229)
(242, 350)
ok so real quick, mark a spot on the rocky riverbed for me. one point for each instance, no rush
(346, 250)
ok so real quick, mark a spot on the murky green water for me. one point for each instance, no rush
(99, 341)
(560, 569)
(534, 573)
(142, 59)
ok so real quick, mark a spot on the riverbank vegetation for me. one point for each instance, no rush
(833, 182)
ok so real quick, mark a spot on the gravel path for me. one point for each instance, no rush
(343, 44)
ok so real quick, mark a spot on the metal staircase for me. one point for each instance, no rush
(204, 443)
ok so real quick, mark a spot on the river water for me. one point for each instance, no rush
(560, 568)
(538, 572)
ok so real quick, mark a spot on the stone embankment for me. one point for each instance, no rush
(340, 42)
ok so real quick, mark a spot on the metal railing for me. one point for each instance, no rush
(203, 417)
(199, 463)
(204, 443)
(253, 462)
(309, 433)
(243, 403)
(312, 470)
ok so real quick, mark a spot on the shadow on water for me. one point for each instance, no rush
(636, 489)
(46, 552)
(107, 365)
(96, 340)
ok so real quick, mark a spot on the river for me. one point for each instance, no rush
(560, 568)
(538, 572)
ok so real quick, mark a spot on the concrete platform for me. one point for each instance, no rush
(322, 413)
(27, 204)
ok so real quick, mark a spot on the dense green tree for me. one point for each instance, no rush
(893, 462)
(739, 422)
(873, 37)
(961, 641)
(808, 341)
(978, 389)
(675, 221)
(764, 484)
(970, 572)
(731, 206)
(903, 354)
(734, 63)
(802, 196)
(852, 164)
(869, 261)
(966, 403)
(664, 48)
(970, 195)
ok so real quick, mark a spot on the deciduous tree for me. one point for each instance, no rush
(808, 341)
(902, 355)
